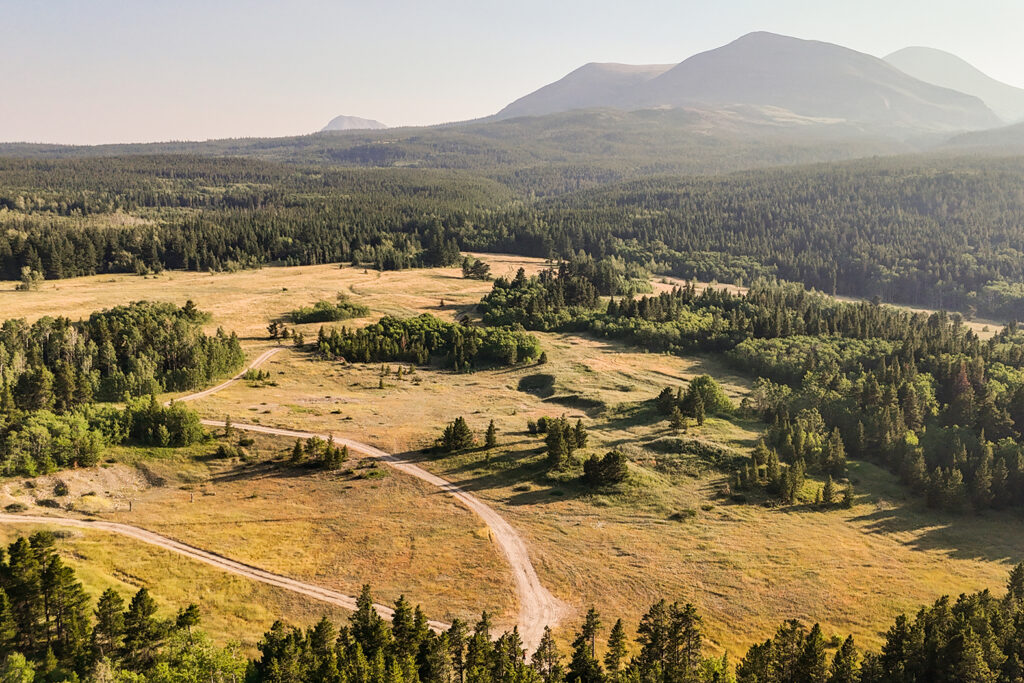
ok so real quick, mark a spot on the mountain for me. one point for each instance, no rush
(820, 83)
(590, 86)
(949, 71)
(352, 123)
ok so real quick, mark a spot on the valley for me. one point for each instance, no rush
(618, 552)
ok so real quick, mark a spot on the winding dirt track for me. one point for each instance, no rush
(538, 607)
(206, 557)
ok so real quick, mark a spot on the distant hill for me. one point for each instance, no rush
(590, 86)
(1006, 140)
(949, 71)
(818, 82)
(352, 123)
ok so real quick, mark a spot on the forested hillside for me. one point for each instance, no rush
(932, 232)
(929, 232)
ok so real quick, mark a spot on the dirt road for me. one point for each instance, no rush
(206, 557)
(260, 360)
(537, 606)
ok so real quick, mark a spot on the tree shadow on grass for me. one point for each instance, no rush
(520, 469)
(992, 536)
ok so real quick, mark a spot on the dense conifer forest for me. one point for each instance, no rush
(937, 232)
(425, 337)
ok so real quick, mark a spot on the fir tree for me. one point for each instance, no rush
(491, 438)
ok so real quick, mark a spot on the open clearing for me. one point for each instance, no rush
(850, 569)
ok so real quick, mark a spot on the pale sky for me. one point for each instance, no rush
(96, 71)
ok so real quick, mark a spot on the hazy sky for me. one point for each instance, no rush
(92, 71)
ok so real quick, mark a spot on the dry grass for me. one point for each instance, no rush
(746, 566)
(233, 608)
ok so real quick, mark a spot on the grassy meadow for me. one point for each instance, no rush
(668, 533)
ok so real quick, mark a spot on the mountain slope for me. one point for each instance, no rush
(590, 86)
(949, 71)
(352, 123)
(815, 79)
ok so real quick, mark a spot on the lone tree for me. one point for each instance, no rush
(491, 438)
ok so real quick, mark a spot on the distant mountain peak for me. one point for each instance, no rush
(813, 80)
(945, 69)
(352, 123)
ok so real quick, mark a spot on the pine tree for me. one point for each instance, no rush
(676, 420)
(547, 661)
(188, 617)
(848, 496)
(297, 452)
(615, 655)
(811, 666)
(557, 444)
(142, 631)
(491, 438)
(666, 400)
(828, 495)
(844, 667)
(698, 410)
(579, 435)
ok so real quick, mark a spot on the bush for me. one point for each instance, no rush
(14, 508)
(60, 489)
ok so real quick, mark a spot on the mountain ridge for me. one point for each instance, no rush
(811, 79)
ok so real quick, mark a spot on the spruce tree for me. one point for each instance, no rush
(579, 435)
(828, 495)
(491, 437)
(615, 655)
(844, 667)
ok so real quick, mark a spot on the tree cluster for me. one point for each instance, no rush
(425, 337)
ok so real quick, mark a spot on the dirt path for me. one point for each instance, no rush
(260, 360)
(206, 557)
(537, 606)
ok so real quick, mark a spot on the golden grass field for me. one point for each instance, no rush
(747, 567)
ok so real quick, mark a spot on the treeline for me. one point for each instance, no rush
(976, 639)
(142, 214)
(423, 338)
(919, 394)
(942, 233)
(936, 233)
